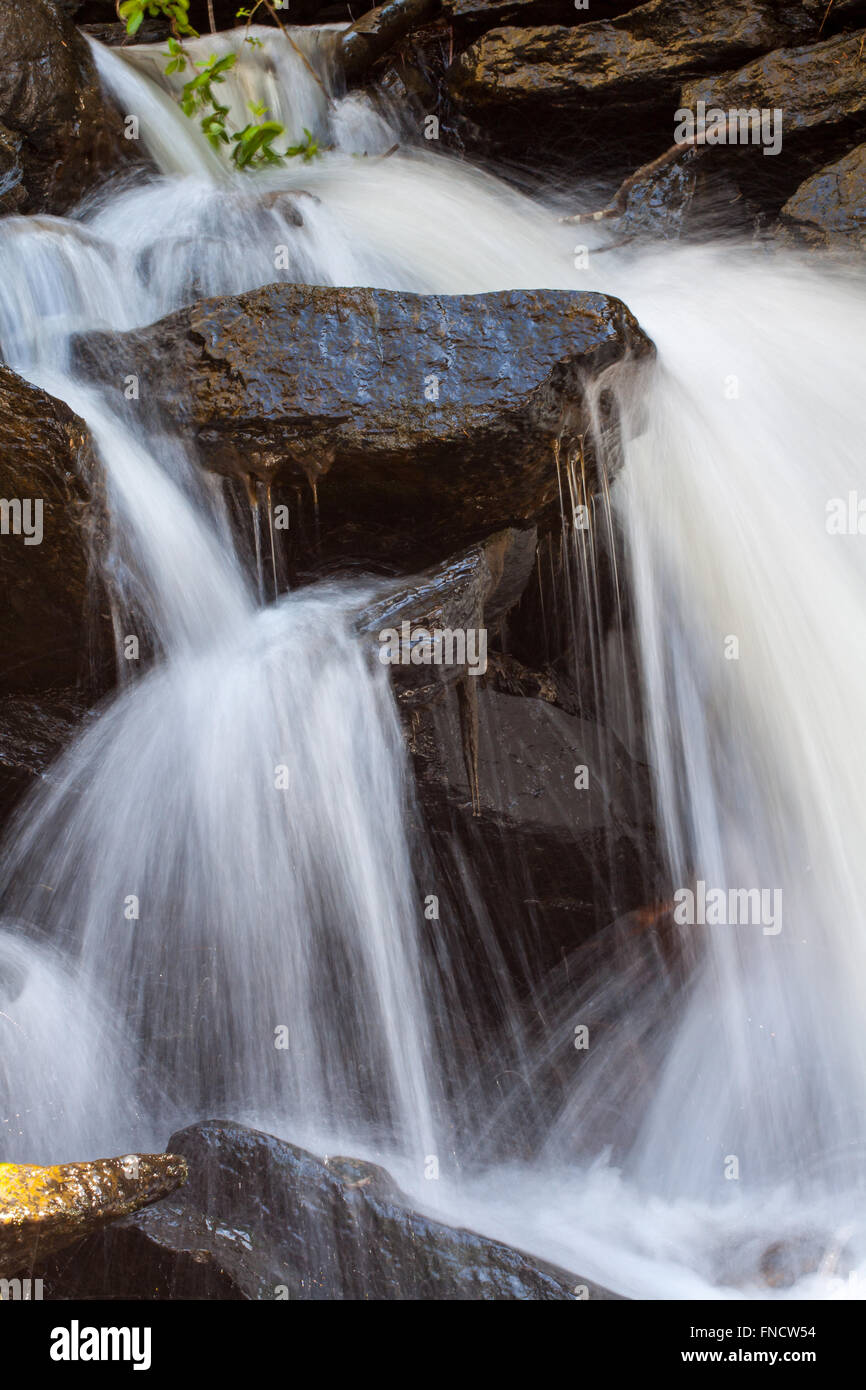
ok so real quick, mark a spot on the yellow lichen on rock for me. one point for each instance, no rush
(43, 1209)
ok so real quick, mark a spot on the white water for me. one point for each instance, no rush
(302, 901)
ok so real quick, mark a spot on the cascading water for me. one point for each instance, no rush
(242, 800)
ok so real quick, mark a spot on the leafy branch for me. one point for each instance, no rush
(254, 145)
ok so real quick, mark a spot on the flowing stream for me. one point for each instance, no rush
(222, 852)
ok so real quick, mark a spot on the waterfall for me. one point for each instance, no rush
(222, 853)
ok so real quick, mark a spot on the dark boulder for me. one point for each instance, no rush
(609, 87)
(820, 92)
(424, 422)
(45, 1209)
(52, 521)
(262, 1219)
(50, 96)
(828, 211)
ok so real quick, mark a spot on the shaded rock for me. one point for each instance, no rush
(832, 16)
(553, 860)
(115, 35)
(377, 30)
(33, 731)
(828, 211)
(13, 194)
(51, 487)
(50, 95)
(434, 416)
(618, 78)
(44, 1209)
(262, 1219)
(471, 17)
(466, 593)
(819, 89)
(815, 85)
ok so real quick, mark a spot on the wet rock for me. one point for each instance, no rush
(606, 83)
(832, 18)
(557, 828)
(51, 616)
(828, 211)
(44, 1209)
(13, 194)
(820, 91)
(786, 1262)
(262, 1219)
(433, 417)
(33, 731)
(377, 30)
(471, 17)
(50, 95)
(115, 35)
(466, 593)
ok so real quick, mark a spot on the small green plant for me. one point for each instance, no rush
(254, 145)
(132, 12)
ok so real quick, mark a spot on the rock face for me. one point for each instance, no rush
(33, 731)
(261, 1219)
(55, 632)
(619, 76)
(472, 16)
(819, 89)
(374, 33)
(468, 592)
(50, 96)
(13, 194)
(557, 827)
(44, 1209)
(828, 211)
(433, 417)
(50, 517)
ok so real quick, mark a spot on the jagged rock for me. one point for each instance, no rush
(49, 610)
(50, 95)
(471, 17)
(819, 89)
(609, 82)
(13, 194)
(333, 386)
(44, 1209)
(468, 592)
(377, 30)
(262, 1219)
(828, 211)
